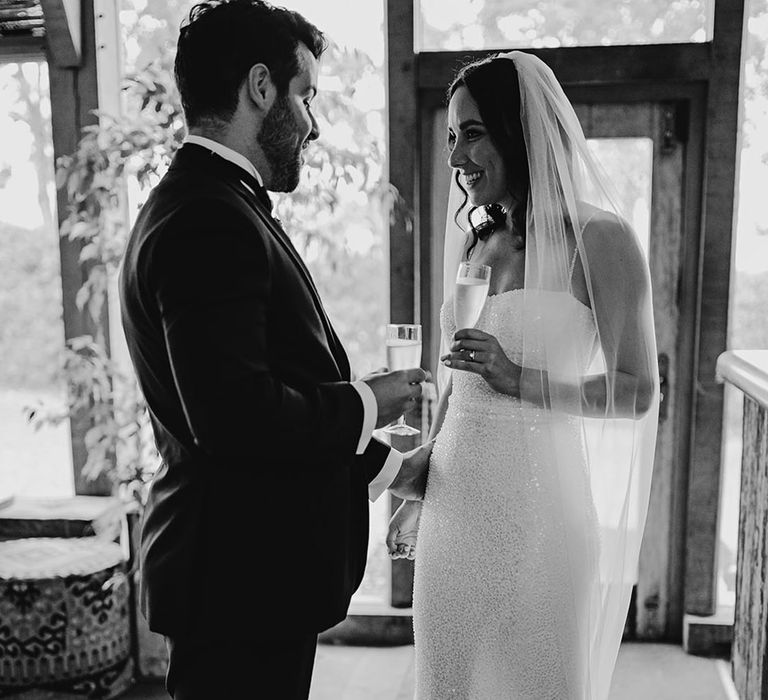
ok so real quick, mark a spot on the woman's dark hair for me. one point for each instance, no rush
(222, 39)
(493, 84)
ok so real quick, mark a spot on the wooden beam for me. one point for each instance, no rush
(74, 96)
(685, 372)
(433, 186)
(590, 65)
(17, 49)
(718, 216)
(63, 31)
(403, 236)
(403, 116)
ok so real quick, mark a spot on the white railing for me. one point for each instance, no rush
(747, 370)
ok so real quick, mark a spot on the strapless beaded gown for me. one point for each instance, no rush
(494, 603)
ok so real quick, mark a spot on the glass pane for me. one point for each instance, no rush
(338, 217)
(346, 247)
(748, 323)
(32, 463)
(628, 162)
(500, 24)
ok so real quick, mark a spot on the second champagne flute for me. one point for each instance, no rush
(403, 352)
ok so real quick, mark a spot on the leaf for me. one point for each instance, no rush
(81, 298)
(88, 252)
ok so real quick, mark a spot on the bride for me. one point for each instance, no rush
(530, 528)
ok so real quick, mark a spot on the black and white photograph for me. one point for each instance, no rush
(383, 350)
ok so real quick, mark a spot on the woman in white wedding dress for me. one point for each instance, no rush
(530, 528)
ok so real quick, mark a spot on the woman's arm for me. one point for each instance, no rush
(617, 282)
(629, 396)
(404, 524)
(619, 294)
(620, 393)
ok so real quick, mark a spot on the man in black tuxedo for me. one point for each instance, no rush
(268, 461)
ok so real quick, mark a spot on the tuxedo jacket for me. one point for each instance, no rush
(258, 514)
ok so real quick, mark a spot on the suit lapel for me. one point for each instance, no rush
(286, 243)
(196, 157)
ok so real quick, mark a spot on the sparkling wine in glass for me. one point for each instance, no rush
(403, 352)
(472, 282)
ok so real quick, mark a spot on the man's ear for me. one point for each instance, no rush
(259, 86)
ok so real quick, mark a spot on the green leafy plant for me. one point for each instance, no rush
(137, 145)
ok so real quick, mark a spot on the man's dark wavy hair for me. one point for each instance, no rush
(220, 41)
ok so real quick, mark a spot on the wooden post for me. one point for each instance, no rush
(403, 230)
(715, 256)
(403, 115)
(63, 27)
(750, 634)
(74, 96)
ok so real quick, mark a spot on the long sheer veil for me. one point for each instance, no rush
(606, 390)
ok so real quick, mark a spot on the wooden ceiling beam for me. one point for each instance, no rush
(589, 65)
(15, 49)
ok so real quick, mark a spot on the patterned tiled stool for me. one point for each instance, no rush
(64, 617)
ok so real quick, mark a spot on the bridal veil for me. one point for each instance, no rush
(608, 390)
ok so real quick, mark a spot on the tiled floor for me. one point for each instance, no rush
(643, 672)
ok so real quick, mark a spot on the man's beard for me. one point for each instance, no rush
(278, 141)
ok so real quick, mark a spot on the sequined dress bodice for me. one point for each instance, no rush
(513, 318)
(489, 578)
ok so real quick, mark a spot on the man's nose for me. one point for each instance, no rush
(314, 132)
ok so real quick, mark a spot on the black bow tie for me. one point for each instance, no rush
(228, 169)
(253, 184)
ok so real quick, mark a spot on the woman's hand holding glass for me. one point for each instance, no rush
(476, 351)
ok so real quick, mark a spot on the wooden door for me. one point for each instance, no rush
(650, 135)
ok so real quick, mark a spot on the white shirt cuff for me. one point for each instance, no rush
(386, 476)
(370, 414)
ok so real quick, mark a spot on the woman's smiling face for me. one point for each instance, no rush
(473, 154)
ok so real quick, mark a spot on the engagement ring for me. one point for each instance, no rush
(471, 355)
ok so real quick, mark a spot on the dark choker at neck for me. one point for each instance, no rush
(495, 217)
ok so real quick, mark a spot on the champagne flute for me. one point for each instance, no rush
(403, 352)
(472, 281)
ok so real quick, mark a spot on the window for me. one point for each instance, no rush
(500, 24)
(32, 463)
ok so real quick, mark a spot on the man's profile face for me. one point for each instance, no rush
(289, 125)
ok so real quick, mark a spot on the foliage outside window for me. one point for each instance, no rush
(32, 328)
(501, 24)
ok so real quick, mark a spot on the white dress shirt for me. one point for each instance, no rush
(370, 410)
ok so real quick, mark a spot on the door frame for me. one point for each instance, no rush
(657, 613)
(707, 76)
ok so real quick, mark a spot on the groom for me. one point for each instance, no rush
(255, 532)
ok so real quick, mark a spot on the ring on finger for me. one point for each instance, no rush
(471, 355)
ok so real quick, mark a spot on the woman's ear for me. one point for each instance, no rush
(259, 86)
